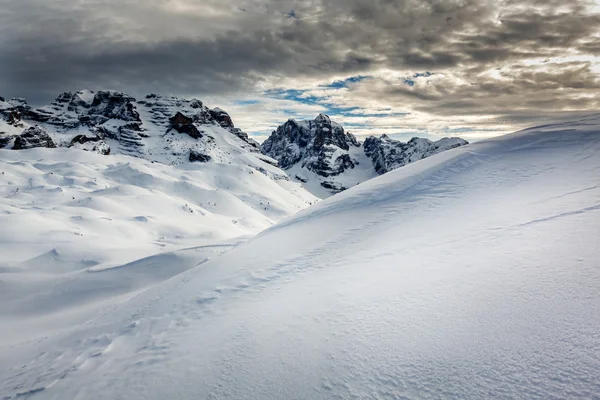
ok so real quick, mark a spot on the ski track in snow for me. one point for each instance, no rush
(470, 274)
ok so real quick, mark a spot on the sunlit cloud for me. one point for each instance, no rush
(474, 68)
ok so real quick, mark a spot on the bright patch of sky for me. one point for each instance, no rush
(261, 114)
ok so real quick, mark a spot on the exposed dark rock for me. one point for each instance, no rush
(333, 186)
(195, 103)
(269, 160)
(115, 105)
(222, 118)
(388, 154)
(198, 157)
(301, 178)
(130, 141)
(5, 139)
(313, 143)
(65, 97)
(19, 104)
(82, 139)
(254, 145)
(95, 144)
(33, 137)
(184, 124)
(14, 118)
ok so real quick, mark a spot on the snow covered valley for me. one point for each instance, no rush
(474, 273)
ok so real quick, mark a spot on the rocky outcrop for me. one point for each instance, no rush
(184, 124)
(388, 154)
(33, 137)
(334, 187)
(5, 139)
(14, 118)
(315, 144)
(94, 144)
(222, 118)
(114, 105)
(196, 156)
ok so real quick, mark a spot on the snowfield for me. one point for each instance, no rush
(79, 228)
(474, 273)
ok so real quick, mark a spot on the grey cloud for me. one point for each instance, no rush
(522, 94)
(206, 47)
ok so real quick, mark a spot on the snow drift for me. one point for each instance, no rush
(471, 274)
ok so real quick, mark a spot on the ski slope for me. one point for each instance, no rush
(474, 273)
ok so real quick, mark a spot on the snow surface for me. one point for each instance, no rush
(474, 273)
(65, 213)
(311, 181)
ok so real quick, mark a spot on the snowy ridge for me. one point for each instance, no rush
(185, 159)
(328, 160)
(65, 213)
(470, 274)
(143, 128)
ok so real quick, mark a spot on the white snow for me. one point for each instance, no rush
(86, 95)
(362, 172)
(471, 274)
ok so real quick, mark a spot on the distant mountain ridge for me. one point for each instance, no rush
(327, 159)
(317, 153)
(119, 124)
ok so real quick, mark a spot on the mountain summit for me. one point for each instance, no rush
(328, 160)
(158, 128)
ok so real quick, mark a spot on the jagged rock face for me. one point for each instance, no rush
(5, 140)
(146, 128)
(198, 157)
(33, 137)
(14, 118)
(222, 118)
(334, 187)
(161, 110)
(19, 104)
(184, 124)
(388, 154)
(327, 160)
(314, 143)
(94, 144)
(115, 105)
(254, 145)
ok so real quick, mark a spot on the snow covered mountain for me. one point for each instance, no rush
(159, 175)
(158, 128)
(328, 160)
(470, 274)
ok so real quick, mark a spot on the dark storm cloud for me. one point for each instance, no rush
(520, 94)
(196, 47)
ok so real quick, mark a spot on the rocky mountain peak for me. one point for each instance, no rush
(221, 117)
(33, 137)
(323, 119)
(388, 154)
(113, 122)
(112, 104)
(334, 158)
(313, 143)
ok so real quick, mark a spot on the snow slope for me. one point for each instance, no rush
(68, 216)
(471, 274)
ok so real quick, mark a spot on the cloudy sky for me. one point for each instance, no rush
(473, 68)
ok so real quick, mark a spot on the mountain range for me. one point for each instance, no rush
(318, 154)
(328, 160)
